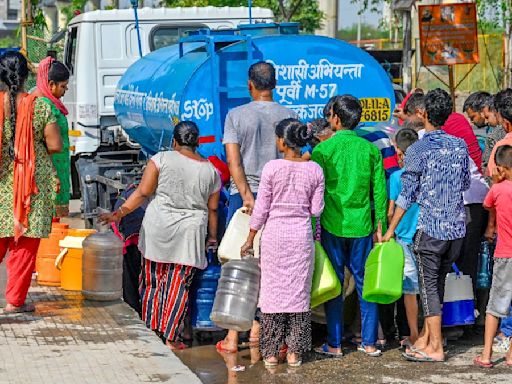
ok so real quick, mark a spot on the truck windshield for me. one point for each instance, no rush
(164, 36)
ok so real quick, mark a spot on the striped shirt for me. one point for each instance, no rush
(436, 173)
(387, 150)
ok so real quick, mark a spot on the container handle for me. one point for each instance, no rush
(456, 270)
(58, 260)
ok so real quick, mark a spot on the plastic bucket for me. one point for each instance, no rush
(69, 260)
(47, 273)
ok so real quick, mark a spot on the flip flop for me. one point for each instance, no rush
(423, 359)
(222, 349)
(296, 364)
(270, 364)
(21, 309)
(405, 343)
(324, 350)
(479, 363)
(375, 353)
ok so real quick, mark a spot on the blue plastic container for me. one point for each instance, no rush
(459, 303)
(202, 294)
(460, 312)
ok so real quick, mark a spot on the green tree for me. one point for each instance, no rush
(306, 12)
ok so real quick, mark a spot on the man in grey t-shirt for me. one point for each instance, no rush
(249, 137)
(250, 140)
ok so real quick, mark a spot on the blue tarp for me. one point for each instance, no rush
(3, 50)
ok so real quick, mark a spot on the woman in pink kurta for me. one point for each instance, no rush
(291, 191)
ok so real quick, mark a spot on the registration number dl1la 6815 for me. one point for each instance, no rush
(375, 109)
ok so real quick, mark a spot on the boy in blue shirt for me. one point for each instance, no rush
(404, 234)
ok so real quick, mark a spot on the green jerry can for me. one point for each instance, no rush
(326, 285)
(384, 273)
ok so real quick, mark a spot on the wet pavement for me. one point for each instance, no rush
(214, 368)
(72, 340)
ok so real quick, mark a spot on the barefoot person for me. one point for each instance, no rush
(436, 173)
(28, 183)
(184, 192)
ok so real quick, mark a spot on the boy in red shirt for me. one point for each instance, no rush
(498, 203)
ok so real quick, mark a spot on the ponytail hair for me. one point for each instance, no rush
(13, 73)
(295, 134)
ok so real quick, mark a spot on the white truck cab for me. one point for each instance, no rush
(99, 47)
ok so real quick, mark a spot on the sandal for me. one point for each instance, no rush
(295, 364)
(423, 359)
(375, 353)
(270, 364)
(221, 349)
(324, 350)
(21, 309)
(405, 343)
(479, 363)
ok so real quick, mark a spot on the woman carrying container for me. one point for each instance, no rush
(183, 189)
(291, 191)
(52, 84)
(28, 136)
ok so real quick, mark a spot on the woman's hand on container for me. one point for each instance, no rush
(247, 249)
(107, 218)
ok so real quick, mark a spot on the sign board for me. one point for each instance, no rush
(448, 34)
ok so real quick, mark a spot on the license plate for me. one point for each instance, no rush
(375, 109)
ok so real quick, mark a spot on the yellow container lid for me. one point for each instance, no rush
(80, 232)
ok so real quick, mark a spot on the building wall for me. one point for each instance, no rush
(9, 16)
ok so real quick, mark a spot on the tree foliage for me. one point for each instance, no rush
(306, 12)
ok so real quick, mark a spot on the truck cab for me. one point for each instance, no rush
(99, 47)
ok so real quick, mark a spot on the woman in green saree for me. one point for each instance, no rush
(52, 84)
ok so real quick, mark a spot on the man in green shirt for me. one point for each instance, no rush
(354, 178)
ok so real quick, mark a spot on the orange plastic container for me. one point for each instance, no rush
(69, 260)
(47, 273)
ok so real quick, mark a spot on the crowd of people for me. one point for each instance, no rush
(430, 186)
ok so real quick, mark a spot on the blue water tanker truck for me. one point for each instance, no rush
(205, 75)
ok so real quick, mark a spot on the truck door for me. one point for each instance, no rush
(70, 61)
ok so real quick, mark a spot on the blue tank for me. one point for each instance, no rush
(205, 75)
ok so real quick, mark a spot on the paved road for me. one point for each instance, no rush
(72, 341)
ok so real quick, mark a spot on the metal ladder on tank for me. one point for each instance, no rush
(212, 39)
